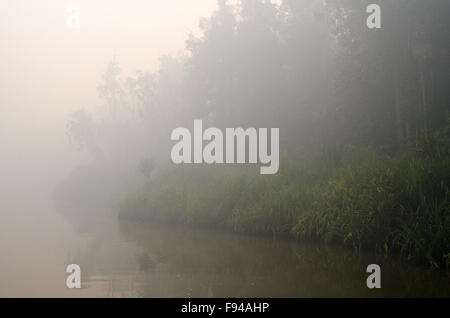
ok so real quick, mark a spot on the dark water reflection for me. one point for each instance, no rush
(148, 260)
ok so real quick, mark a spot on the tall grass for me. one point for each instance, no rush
(345, 195)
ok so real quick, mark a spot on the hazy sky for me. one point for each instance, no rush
(47, 69)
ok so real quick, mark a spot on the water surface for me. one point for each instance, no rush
(142, 259)
(138, 259)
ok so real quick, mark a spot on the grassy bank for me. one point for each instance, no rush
(345, 195)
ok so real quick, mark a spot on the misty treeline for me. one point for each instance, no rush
(363, 117)
(312, 68)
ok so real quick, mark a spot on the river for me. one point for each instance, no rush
(136, 259)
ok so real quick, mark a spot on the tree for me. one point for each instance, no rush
(80, 129)
(146, 168)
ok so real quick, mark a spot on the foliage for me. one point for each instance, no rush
(345, 195)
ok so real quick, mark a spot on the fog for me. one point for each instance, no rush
(87, 174)
(47, 72)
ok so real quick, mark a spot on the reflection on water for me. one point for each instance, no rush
(135, 259)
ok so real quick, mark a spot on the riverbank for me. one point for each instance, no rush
(350, 196)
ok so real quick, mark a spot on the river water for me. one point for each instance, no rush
(136, 259)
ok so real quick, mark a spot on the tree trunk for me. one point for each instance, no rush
(398, 119)
(424, 99)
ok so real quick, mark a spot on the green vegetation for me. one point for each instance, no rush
(362, 115)
(348, 195)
